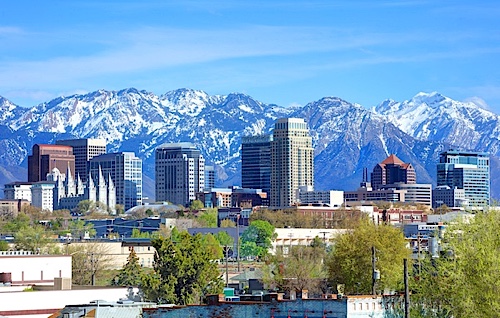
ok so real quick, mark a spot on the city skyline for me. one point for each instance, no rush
(287, 53)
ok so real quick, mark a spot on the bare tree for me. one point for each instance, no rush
(89, 261)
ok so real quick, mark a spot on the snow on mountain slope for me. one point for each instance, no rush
(9, 110)
(434, 117)
(347, 137)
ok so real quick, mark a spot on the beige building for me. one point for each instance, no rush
(292, 161)
(118, 251)
(12, 207)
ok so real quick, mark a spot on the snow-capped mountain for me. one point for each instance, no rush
(434, 117)
(347, 137)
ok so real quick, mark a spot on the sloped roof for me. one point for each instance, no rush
(392, 159)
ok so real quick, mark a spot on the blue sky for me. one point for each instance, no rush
(282, 52)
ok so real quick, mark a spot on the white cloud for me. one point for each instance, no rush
(478, 101)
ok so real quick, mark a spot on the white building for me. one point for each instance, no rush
(332, 198)
(42, 195)
(18, 191)
(292, 161)
(288, 237)
(26, 268)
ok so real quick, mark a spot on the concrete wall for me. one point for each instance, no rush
(44, 303)
(35, 269)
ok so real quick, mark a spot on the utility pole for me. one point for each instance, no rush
(238, 240)
(374, 272)
(227, 277)
(407, 289)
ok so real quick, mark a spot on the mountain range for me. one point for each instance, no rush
(347, 137)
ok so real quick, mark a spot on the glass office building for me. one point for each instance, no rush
(469, 171)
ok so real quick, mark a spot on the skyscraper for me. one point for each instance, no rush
(125, 170)
(392, 170)
(466, 170)
(256, 162)
(84, 150)
(209, 177)
(292, 162)
(180, 172)
(44, 158)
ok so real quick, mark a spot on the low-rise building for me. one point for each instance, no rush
(12, 206)
(17, 191)
(26, 268)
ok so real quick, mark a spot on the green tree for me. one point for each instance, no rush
(350, 261)
(210, 243)
(78, 228)
(131, 273)
(32, 238)
(18, 222)
(183, 272)
(464, 280)
(208, 218)
(301, 269)
(258, 238)
(4, 246)
(136, 233)
(227, 223)
(196, 205)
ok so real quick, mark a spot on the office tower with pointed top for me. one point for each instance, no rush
(292, 161)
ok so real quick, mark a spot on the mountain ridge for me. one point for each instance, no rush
(347, 136)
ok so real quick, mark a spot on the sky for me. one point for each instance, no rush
(282, 52)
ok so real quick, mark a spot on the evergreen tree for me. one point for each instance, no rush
(131, 273)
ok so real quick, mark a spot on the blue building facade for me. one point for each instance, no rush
(469, 171)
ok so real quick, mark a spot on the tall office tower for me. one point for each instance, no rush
(292, 161)
(44, 158)
(125, 171)
(84, 150)
(256, 162)
(466, 170)
(209, 177)
(392, 170)
(180, 172)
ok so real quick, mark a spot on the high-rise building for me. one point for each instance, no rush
(292, 162)
(256, 162)
(466, 170)
(392, 170)
(209, 177)
(84, 150)
(179, 171)
(125, 170)
(44, 158)
(42, 195)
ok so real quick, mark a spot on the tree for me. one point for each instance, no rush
(78, 228)
(196, 205)
(211, 244)
(464, 280)
(301, 269)
(227, 223)
(350, 261)
(32, 238)
(257, 238)
(208, 218)
(131, 273)
(4, 246)
(89, 261)
(183, 271)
